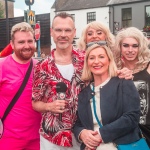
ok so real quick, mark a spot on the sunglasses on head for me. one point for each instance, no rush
(97, 42)
(128, 45)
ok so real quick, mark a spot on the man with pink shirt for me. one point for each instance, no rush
(21, 126)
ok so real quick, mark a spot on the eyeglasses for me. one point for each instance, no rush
(128, 45)
(101, 43)
(59, 31)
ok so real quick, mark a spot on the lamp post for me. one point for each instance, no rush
(29, 3)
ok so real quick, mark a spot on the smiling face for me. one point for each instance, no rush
(95, 35)
(23, 45)
(98, 62)
(129, 49)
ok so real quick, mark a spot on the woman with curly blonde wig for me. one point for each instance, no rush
(131, 51)
(141, 58)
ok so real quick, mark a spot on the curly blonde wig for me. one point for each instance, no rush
(143, 53)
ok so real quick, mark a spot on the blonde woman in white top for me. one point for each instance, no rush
(108, 108)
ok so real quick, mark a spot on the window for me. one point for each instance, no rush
(91, 17)
(73, 16)
(126, 17)
(147, 15)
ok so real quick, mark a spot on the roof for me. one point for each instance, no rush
(113, 2)
(66, 5)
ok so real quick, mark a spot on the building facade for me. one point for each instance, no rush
(116, 14)
(127, 13)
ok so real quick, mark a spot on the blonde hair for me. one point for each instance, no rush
(143, 53)
(23, 27)
(87, 74)
(97, 26)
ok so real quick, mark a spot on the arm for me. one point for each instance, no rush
(40, 106)
(125, 73)
(78, 127)
(90, 138)
(41, 83)
(130, 109)
(57, 106)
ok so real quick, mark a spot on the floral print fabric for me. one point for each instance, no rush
(46, 76)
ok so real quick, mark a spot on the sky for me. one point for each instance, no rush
(39, 6)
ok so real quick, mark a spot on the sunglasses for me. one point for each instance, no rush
(128, 45)
(101, 43)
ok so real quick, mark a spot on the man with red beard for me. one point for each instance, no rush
(21, 125)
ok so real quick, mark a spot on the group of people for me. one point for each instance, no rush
(102, 106)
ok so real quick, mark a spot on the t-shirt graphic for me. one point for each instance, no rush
(143, 90)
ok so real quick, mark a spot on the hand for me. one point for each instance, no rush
(97, 136)
(86, 148)
(57, 106)
(125, 73)
(90, 138)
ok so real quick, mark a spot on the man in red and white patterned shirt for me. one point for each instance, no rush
(63, 65)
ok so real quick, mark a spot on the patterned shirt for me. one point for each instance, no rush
(46, 76)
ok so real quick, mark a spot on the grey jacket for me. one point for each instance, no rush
(120, 111)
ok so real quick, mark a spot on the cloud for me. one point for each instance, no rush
(42, 6)
(39, 6)
(18, 12)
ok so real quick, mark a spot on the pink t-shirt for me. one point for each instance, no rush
(22, 122)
